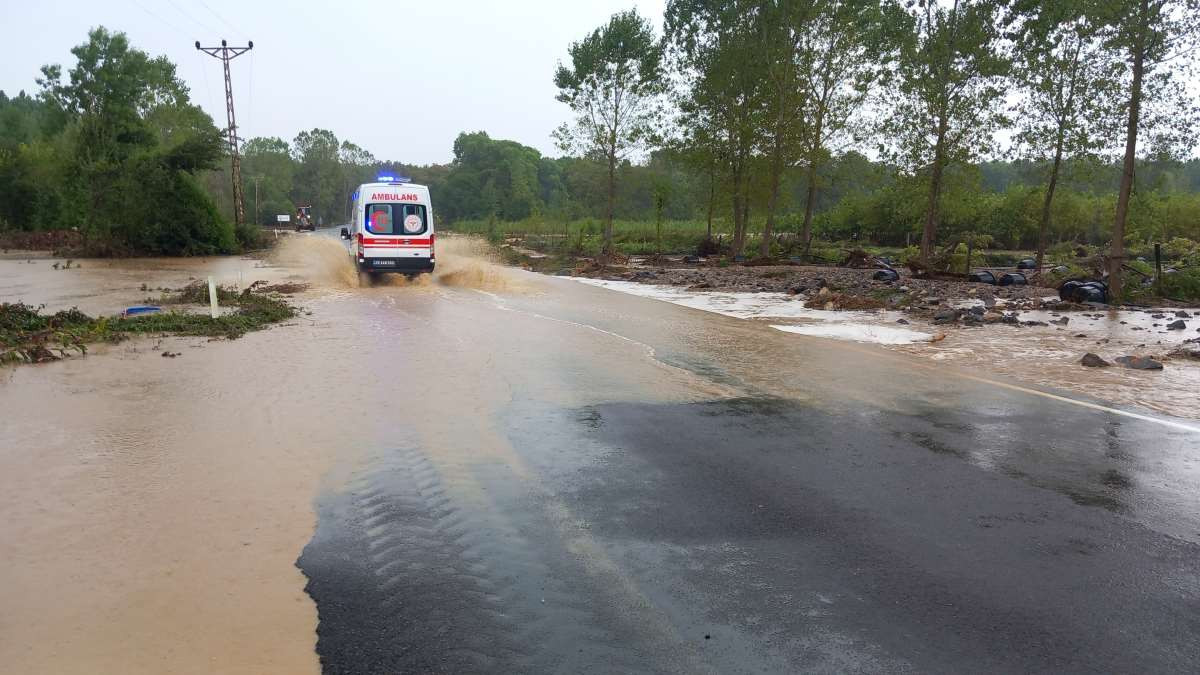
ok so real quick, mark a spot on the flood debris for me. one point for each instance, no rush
(28, 336)
(1091, 360)
(1139, 362)
(1084, 291)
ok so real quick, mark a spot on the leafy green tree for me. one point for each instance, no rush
(270, 172)
(846, 48)
(1069, 85)
(612, 85)
(949, 78)
(133, 143)
(1157, 38)
(319, 173)
(716, 48)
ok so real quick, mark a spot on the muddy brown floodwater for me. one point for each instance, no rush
(153, 508)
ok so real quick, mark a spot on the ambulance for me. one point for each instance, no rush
(391, 227)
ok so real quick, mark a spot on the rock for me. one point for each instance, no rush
(902, 321)
(1080, 335)
(643, 275)
(1183, 315)
(1177, 324)
(1011, 319)
(946, 316)
(1034, 323)
(1061, 321)
(938, 338)
(978, 310)
(904, 289)
(1091, 360)
(691, 259)
(1139, 362)
(886, 275)
(828, 306)
(824, 291)
(992, 317)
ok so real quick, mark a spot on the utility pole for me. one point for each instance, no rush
(226, 54)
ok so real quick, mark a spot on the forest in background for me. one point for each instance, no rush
(769, 125)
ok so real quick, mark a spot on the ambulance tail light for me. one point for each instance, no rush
(362, 252)
(432, 251)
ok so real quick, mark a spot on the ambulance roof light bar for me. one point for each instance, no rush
(389, 178)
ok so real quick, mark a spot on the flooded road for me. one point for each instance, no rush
(492, 471)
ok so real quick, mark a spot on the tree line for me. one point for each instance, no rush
(888, 121)
(757, 88)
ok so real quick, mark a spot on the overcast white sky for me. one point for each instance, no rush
(401, 78)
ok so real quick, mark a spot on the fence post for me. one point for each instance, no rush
(212, 298)
(1158, 269)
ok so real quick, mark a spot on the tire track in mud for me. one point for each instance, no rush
(416, 569)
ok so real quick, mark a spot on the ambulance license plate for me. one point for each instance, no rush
(385, 262)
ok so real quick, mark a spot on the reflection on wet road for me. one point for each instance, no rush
(513, 473)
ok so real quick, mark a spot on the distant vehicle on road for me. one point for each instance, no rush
(304, 219)
(391, 227)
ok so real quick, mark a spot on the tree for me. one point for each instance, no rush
(1068, 80)
(612, 85)
(1158, 38)
(781, 28)
(358, 167)
(845, 50)
(268, 161)
(318, 176)
(949, 76)
(715, 48)
(132, 143)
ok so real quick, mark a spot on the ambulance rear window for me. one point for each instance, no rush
(397, 219)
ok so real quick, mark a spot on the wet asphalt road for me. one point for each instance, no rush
(567, 480)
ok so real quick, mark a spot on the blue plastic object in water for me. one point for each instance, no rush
(138, 310)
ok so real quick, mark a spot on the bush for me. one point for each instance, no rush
(1180, 248)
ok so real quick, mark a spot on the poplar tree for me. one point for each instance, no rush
(949, 82)
(612, 84)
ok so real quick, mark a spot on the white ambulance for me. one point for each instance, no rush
(391, 227)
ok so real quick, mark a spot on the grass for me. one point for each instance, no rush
(28, 336)
(678, 237)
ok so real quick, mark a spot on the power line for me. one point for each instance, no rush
(222, 20)
(191, 18)
(161, 20)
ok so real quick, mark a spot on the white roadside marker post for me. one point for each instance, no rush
(212, 298)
